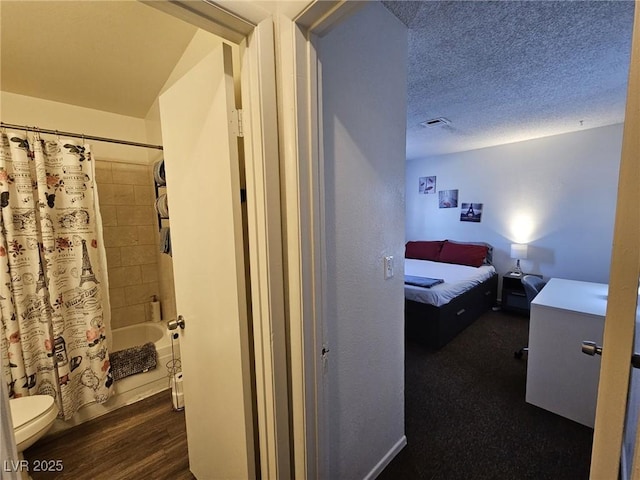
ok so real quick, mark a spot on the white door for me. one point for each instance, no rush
(623, 292)
(203, 188)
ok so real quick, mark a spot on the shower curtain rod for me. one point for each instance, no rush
(78, 135)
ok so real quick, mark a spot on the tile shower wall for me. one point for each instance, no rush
(127, 198)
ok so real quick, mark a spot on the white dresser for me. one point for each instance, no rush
(560, 378)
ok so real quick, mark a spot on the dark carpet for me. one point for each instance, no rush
(466, 415)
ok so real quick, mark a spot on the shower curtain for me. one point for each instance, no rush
(53, 282)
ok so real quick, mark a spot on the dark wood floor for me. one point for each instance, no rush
(146, 440)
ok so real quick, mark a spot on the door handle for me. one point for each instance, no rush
(173, 324)
(591, 348)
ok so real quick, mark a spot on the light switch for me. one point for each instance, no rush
(388, 267)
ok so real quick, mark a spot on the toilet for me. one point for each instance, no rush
(32, 417)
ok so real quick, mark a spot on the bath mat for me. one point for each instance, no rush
(133, 360)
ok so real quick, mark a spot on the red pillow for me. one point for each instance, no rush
(424, 250)
(463, 254)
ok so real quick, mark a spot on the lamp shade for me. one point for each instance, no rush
(519, 251)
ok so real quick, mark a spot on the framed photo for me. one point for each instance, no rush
(448, 199)
(427, 185)
(471, 212)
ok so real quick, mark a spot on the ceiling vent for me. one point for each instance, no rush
(435, 122)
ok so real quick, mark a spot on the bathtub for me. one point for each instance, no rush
(142, 385)
(136, 387)
(127, 337)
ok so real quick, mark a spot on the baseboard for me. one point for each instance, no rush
(381, 465)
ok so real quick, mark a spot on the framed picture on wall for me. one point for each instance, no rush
(448, 199)
(427, 185)
(471, 212)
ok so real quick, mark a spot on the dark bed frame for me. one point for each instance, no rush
(436, 326)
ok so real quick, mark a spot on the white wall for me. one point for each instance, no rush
(42, 113)
(364, 62)
(558, 194)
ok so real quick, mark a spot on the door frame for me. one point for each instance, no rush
(299, 113)
(619, 325)
(249, 26)
(280, 99)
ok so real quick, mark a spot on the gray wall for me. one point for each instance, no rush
(364, 62)
(558, 194)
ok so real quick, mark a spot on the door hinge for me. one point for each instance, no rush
(237, 123)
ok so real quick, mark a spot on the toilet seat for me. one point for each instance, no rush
(31, 415)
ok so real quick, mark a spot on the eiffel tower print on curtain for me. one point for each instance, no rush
(42, 282)
(87, 271)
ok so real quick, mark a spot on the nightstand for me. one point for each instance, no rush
(514, 298)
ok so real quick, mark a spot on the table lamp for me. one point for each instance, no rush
(519, 252)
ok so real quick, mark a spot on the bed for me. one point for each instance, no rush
(465, 286)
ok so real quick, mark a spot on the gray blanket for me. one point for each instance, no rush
(133, 360)
(424, 282)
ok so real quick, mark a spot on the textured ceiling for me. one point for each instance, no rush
(500, 71)
(507, 71)
(113, 56)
